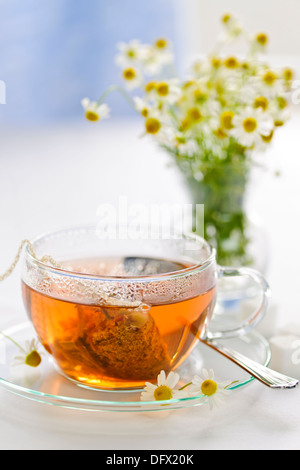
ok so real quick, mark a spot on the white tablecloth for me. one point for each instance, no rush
(59, 176)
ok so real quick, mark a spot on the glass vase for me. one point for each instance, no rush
(237, 235)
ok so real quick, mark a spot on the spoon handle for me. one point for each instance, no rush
(265, 375)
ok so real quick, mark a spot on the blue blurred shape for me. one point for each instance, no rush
(54, 53)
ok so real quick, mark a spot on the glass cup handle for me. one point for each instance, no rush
(257, 315)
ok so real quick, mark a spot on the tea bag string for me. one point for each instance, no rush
(99, 295)
(45, 259)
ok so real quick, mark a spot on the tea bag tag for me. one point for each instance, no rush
(45, 259)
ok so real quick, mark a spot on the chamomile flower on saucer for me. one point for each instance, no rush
(250, 126)
(164, 390)
(29, 355)
(94, 111)
(214, 392)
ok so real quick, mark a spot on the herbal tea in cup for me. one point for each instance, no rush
(118, 311)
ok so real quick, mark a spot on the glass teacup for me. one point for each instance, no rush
(115, 311)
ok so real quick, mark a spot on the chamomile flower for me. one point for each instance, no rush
(214, 392)
(232, 28)
(287, 75)
(261, 102)
(131, 53)
(184, 143)
(153, 124)
(261, 40)
(168, 91)
(195, 91)
(94, 111)
(142, 106)
(270, 82)
(158, 56)
(250, 126)
(29, 355)
(164, 390)
(187, 147)
(279, 110)
(226, 120)
(133, 77)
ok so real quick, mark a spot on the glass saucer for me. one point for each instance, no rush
(46, 385)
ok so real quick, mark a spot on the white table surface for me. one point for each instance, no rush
(53, 177)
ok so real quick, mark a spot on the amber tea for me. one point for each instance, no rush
(114, 342)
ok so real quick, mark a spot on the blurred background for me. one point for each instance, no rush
(54, 53)
(56, 168)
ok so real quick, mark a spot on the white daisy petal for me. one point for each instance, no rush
(172, 380)
(180, 394)
(211, 391)
(150, 387)
(161, 379)
(29, 347)
(147, 396)
(197, 380)
(165, 388)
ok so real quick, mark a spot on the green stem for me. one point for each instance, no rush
(232, 383)
(185, 386)
(114, 88)
(13, 341)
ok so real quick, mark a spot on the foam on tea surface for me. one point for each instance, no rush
(123, 267)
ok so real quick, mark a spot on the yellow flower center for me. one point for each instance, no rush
(278, 123)
(131, 53)
(261, 102)
(250, 124)
(199, 95)
(185, 124)
(150, 86)
(231, 63)
(215, 62)
(161, 43)
(288, 74)
(33, 359)
(269, 78)
(262, 39)
(163, 89)
(226, 120)
(188, 84)
(220, 133)
(194, 114)
(163, 393)
(145, 112)
(152, 125)
(226, 18)
(180, 140)
(209, 388)
(282, 102)
(129, 74)
(245, 65)
(92, 116)
(267, 138)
